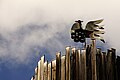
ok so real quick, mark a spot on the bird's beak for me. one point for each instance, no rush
(79, 21)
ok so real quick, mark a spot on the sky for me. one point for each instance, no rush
(31, 28)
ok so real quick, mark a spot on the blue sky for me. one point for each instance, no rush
(32, 28)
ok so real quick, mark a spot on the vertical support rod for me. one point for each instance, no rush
(93, 57)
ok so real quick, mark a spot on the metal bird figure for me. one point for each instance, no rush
(77, 32)
(92, 30)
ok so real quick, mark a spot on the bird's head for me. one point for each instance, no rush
(79, 21)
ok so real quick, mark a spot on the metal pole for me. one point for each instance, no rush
(93, 57)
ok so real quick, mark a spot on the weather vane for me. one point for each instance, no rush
(92, 30)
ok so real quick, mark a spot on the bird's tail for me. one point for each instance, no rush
(102, 40)
(96, 36)
(98, 32)
(101, 27)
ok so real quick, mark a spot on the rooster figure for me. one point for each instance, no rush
(92, 30)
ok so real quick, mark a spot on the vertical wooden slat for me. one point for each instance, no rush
(103, 63)
(93, 60)
(73, 65)
(46, 70)
(88, 62)
(54, 70)
(58, 66)
(42, 68)
(114, 63)
(118, 67)
(33, 78)
(36, 73)
(49, 71)
(111, 65)
(63, 76)
(39, 70)
(68, 63)
(98, 64)
(110, 75)
(83, 62)
(80, 65)
(77, 64)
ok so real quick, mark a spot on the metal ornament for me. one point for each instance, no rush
(92, 30)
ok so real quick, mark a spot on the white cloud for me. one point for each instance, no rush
(28, 23)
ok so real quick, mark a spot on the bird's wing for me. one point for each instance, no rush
(91, 25)
(97, 21)
(75, 26)
(98, 32)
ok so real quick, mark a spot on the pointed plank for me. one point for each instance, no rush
(46, 70)
(42, 68)
(49, 71)
(80, 65)
(63, 76)
(58, 66)
(54, 70)
(83, 62)
(77, 54)
(73, 64)
(36, 73)
(39, 70)
(68, 63)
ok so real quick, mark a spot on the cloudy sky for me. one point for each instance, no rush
(32, 28)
